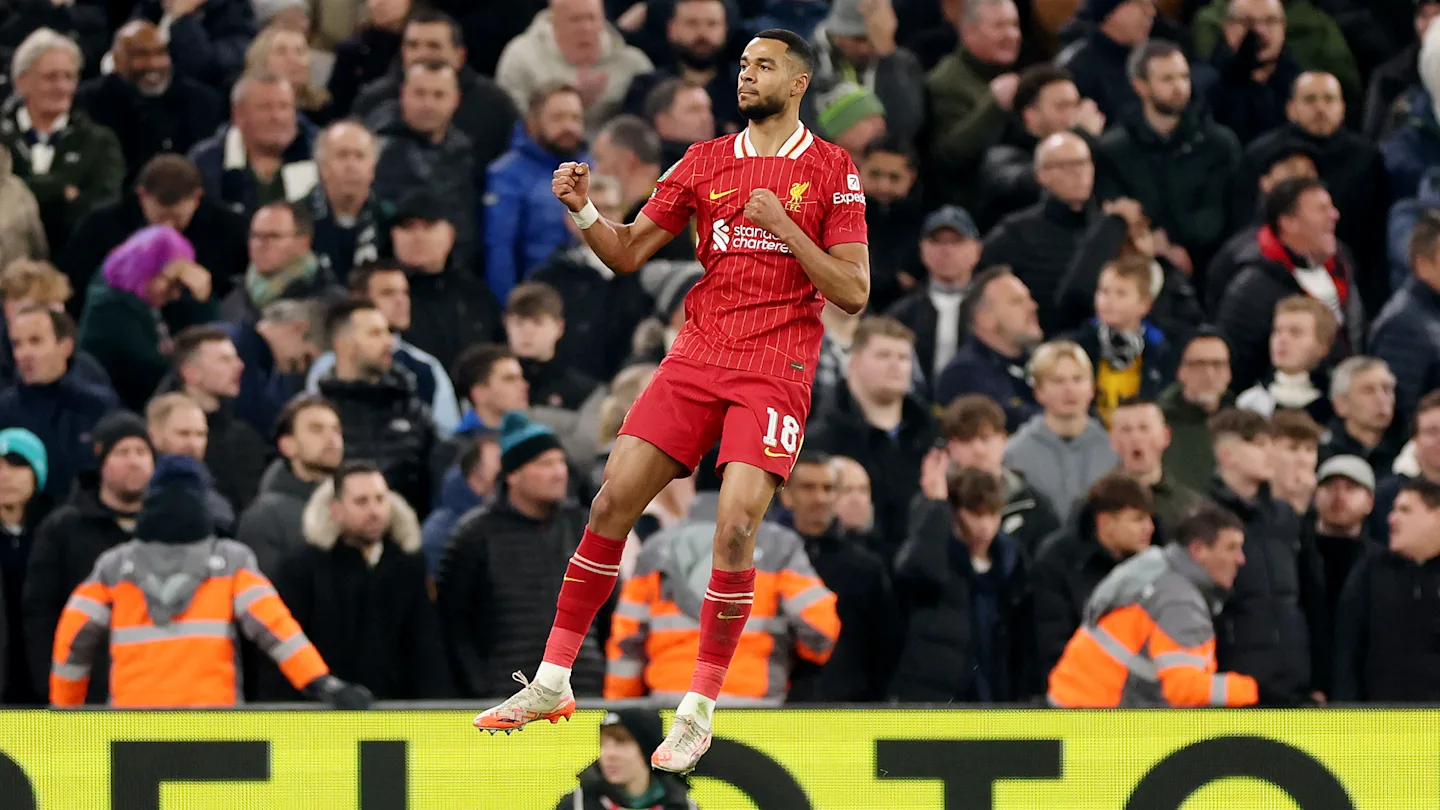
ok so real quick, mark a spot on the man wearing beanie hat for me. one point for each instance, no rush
(1098, 60)
(856, 43)
(851, 116)
(99, 515)
(23, 505)
(497, 582)
(160, 598)
(622, 777)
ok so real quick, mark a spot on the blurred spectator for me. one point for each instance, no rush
(1301, 334)
(1426, 441)
(51, 399)
(24, 284)
(1105, 63)
(1413, 145)
(1038, 242)
(620, 396)
(496, 583)
(602, 307)
(1309, 30)
(23, 505)
(668, 283)
(1131, 357)
(122, 325)
(992, 361)
(1294, 448)
(357, 587)
(451, 308)
(1062, 450)
(1172, 159)
(1295, 252)
(489, 379)
(1406, 334)
(970, 92)
(1112, 524)
(965, 594)
(484, 113)
(422, 150)
(382, 418)
(856, 43)
(853, 506)
(168, 191)
(1351, 167)
(151, 109)
(859, 669)
(698, 36)
(534, 322)
(627, 149)
(622, 776)
(311, 447)
(207, 37)
(85, 22)
(167, 593)
(851, 116)
(263, 155)
(893, 216)
(99, 515)
(1140, 437)
(1396, 76)
(1273, 625)
(282, 264)
(682, 114)
(973, 429)
(285, 52)
(572, 42)
(1167, 597)
(70, 163)
(1344, 500)
(368, 54)
(1400, 225)
(1256, 70)
(874, 421)
(1386, 614)
(178, 427)
(1046, 102)
(656, 628)
(350, 220)
(274, 352)
(523, 226)
(949, 251)
(465, 486)
(1363, 393)
(387, 285)
(1201, 389)
(22, 234)
(295, 16)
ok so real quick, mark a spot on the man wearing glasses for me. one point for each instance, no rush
(1201, 388)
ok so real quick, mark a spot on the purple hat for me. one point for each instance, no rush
(133, 265)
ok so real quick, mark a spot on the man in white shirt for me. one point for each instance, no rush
(949, 250)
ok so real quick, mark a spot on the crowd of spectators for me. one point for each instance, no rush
(1129, 258)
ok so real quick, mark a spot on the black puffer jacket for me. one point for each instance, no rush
(1387, 634)
(409, 161)
(1038, 244)
(1273, 625)
(1067, 569)
(450, 311)
(384, 422)
(498, 583)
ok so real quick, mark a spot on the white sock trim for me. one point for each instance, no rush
(552, 676)
(698, 707)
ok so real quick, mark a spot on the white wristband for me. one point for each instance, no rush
(586, 216)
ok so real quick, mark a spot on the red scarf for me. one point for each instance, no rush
(1271, 249)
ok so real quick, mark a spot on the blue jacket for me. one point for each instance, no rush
(1406, 335)
(62, 415)
(524, 223)
(976, 369)
(223, 167)
(264, 389)
(1413, 146)
(1403, 216)
(456, 498)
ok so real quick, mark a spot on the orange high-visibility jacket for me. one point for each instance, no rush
(655, 634)
(170, 613)
(1148, 639)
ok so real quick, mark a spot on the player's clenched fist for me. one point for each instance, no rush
(763, 209)
(572, 184)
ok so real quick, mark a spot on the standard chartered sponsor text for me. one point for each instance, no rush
(735, 236)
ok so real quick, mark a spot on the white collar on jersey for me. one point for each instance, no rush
(793, 147)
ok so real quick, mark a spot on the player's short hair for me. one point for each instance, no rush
(169, 179)
(1034, 80)
(31, 278)
(1048, 355)
(970, 417)
(535, 299)
(359, 279)
(1326, 324)
(298, 404)
(159, 409)
(544, 93)
(879, 326)
(1116, 492)
(190, 339)
(1234, 423)
(631, 132)
(475, 364)
(796, 46)
(975, 491)
(1135, 269)
(1293, 425)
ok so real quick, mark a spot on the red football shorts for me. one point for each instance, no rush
(759, 419)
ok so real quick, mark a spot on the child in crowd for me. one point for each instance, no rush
(1131, 357)
(1300, 339)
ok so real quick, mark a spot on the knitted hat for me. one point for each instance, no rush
(672, 289)
(844, 106)
(21, 442)
(521, 440)
(845, 19)
(1097, 10)
(115, 427)
(174, 510)
(643, 724)
(145, 255)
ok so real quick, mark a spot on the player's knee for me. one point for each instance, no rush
(605, 508)
(734, 545)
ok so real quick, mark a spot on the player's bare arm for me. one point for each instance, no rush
(842, 274)
(623, 248)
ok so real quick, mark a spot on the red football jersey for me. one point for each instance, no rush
(754, 309)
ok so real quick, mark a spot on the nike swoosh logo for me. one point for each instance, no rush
(773, 454)
(572, 579)
(721, 615)
(715, 195)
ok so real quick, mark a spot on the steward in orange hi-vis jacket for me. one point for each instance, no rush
(169, 602)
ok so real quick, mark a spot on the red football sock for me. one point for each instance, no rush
(589, 579)
(722, 619)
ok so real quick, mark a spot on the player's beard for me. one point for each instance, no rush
(762, 107)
